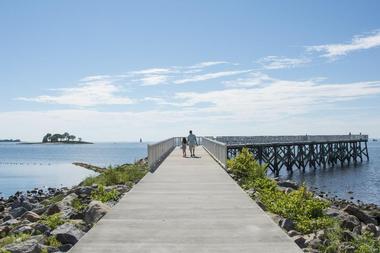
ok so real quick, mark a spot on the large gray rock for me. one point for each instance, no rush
(64, 206)
(287, 224)
(350, 209)
(22, 229)
(25, 204)
(332, 212)
(68, 233)
(11, 222)
(350, 222)
(372, 229)
(288, 184)
(30, 216)
(41, 228)
(28, 246)
(95, 211)
(17, 212)
(314, 243)
(84, 190)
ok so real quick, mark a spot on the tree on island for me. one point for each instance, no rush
(66, 137)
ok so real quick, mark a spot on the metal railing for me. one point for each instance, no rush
(157, 152)
(217, 150)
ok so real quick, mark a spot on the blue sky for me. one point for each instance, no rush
(121, 70)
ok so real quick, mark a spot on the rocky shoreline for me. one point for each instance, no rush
(54, 219)
(353, 219)
(55, 212)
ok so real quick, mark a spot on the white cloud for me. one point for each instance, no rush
(251, 80)
(277, 99)
(357, 43)
(153, 71)
(207, 64)
(150, 80)
(279, 62)
(208, 76)
(87, 94)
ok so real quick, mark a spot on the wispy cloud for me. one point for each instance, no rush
(207, 64)
(151, 80)
(250, 80)
(157, 76)
(87, 94)
(280, 62)
(208, 76)
(153, 71)
(276, 99)
(359, 42)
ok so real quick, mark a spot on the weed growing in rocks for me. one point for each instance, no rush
(103, 195)
(52, 241)
(78, 205)
(52, 221)
(125, 174)
(13, 238)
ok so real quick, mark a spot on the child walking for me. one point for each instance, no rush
(184, 143)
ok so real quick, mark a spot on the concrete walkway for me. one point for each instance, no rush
(187, 205)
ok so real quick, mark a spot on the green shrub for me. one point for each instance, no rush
(78, 205)
(52, 221)
(299, 205)
(13, 238)
(52, 241)
(245, 168)
(366, 243)
(125, 174)
(104, 196)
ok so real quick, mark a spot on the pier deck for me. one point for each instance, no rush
(186, 205)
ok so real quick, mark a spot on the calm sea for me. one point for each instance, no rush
(24, 167)
(363, 180)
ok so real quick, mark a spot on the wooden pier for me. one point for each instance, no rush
(300, 152)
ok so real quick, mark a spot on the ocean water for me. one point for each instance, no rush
(24, 167)
(361, 182)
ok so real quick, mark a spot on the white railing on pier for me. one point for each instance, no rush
(157, 152)
(218, 150)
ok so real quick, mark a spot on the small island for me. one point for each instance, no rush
(10, 140)
(65, 138)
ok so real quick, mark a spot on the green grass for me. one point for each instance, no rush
(52, 241)
(13, 238)
(124, 174)
(52, 221)
(299, 205)
(364, 243)
(78, 205)
(104, 196)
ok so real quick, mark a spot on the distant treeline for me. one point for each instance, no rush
(66, 137)
(10, 140)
